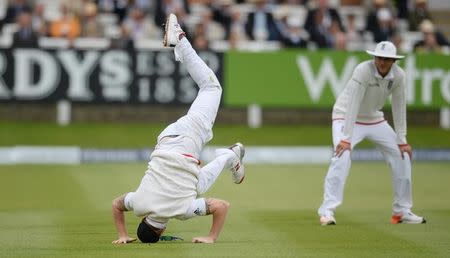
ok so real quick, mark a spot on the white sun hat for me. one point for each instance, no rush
(385, 49)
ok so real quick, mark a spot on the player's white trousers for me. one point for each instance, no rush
(197, 124)
(210, 172)
(384, 138)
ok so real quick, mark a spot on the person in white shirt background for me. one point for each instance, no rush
(357, 116)
(174, 181)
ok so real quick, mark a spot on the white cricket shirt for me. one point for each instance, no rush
(365, 95)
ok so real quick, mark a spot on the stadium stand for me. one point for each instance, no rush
(221, 24)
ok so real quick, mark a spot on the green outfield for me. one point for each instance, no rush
(64, 211)
(132, 135)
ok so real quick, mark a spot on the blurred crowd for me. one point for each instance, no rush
(232, 24)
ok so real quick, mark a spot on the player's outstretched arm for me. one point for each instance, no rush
(118, 212)
(219, 209)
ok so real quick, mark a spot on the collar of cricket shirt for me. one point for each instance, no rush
(389, 76)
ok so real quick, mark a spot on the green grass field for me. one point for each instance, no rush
(132, 135)
(64, 211)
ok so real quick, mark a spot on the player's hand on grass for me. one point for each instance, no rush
(204, 240)
(124, 240)
(405, 148)
(341, 147)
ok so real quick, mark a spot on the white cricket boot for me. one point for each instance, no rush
(327, 220)
(237, 166)
(172, 31)
(407, 218)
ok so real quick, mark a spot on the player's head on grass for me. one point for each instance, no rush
(147, 233)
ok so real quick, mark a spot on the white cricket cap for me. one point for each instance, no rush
(385, 49)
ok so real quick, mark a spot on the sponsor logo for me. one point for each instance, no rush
(427, 82)
(389, 86)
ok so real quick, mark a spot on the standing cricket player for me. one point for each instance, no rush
(357, 116)
(174, 180)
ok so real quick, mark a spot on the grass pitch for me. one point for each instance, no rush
(64, 211)
(143, 135)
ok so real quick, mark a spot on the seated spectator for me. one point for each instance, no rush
(122, 40)
(201, 43)
(25, 37)
(352, 33)
(372, 17)
(293, 35)
(418, 14)
(39, 22)
(319, 32)
(433, 41)
(164, 7)
(15, 9)
(138, 26)
(68, 26)
(213, 29)
(327, 16)
(118, 7)
(339, 40)
(222, 13)
(90, 26)
(260, 23)
(386, 27)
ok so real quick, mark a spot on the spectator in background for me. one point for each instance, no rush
(386, 27)
(237, 30)
(222, 13)
(260, 23)
(76, 7)
(122, 39)
(118, 7)
(139, 26)
(90, 26)
(200, 41)
(372, 17)
(319, 33)
(352, 33)
(68, 26)
(25, 37)
(418, 14)
(39, 22)
(164, 7)
(144, 5)
(397, 40)
(237, 27)
(402, 9)
(15, 9)
(324, 19)
(339, 40)
(213, 29)
(433, 41)
(293, 35)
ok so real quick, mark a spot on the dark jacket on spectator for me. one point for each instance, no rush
(13, 11)
(25, 38)
(334, 16)
(271, 27)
